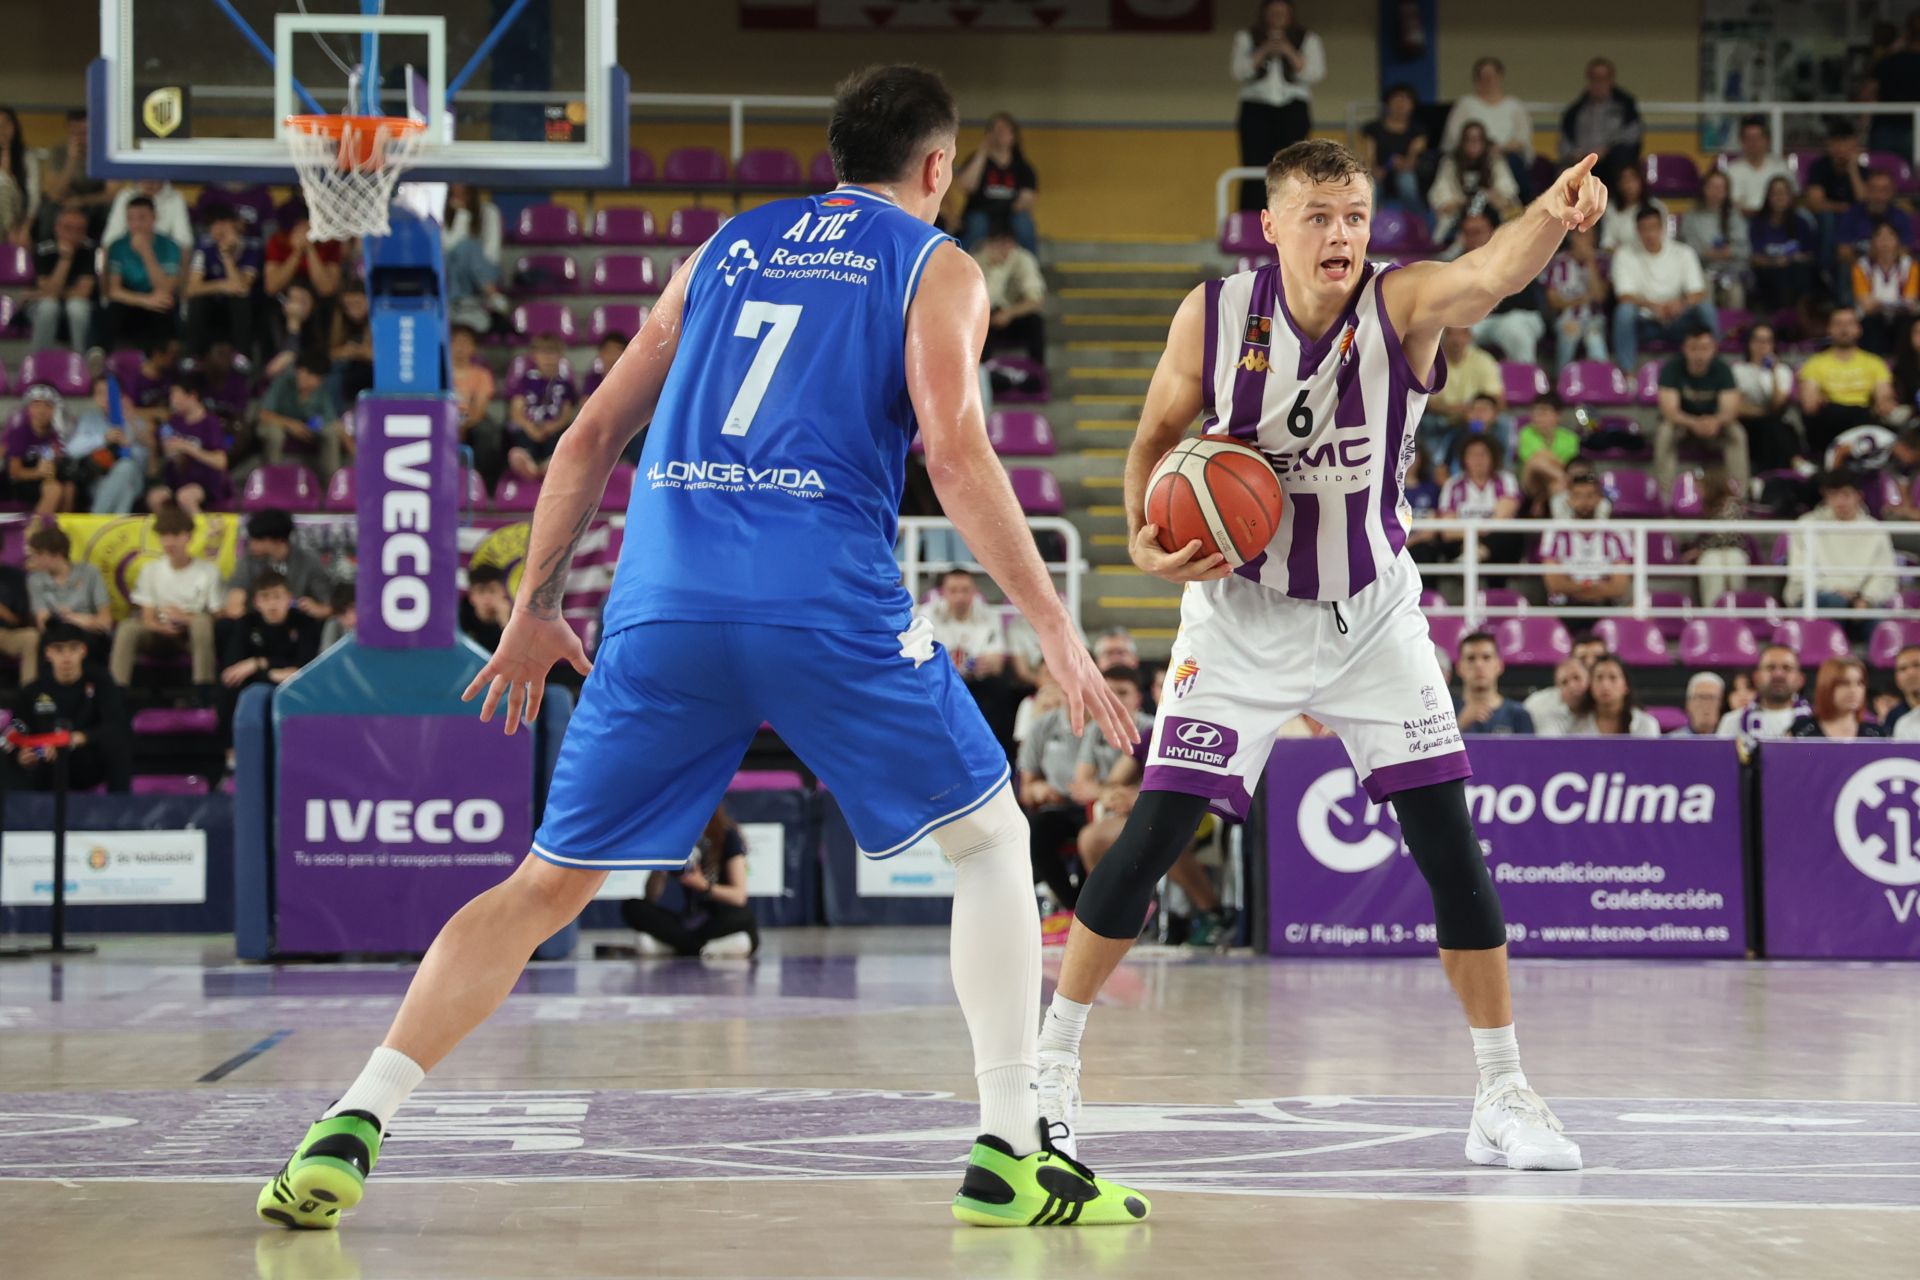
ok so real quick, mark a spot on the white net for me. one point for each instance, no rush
(348, 166)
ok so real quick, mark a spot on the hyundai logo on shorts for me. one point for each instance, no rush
(1199, 735)
(1196, 742)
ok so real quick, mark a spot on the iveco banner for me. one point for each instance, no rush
(1596, 846)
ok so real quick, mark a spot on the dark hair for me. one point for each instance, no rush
(1839, 478)
(50, 540)
(1588, 707)
(1483, 167)
(267, 580)
(220, 213)
(1868, 175)
(1549, 396)
(1314, 160)
(275, 524)
(1488, 61)
(15, 159)
(1755, 122)
(956, 571)
(883, 116)
(292, 213)
(713, 843)
(172, 518)
(467, 329)
(1257, 29)
(191, 382)
(614, 335)
(1400, 86)
(140, 202)
(1477, 637)
(481, 575)
(1130, 674)
(1788, 212)
(342, 597)
(1839, 127)
(999, 225)
(315, 363)
(76, 113)
(1486, 441)
(1698, 329)
(1600, 62)
(1647, 211)
(62, 632)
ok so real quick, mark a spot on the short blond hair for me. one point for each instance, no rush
(1315, 160)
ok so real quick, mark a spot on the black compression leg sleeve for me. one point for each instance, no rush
(1113, 902)
(1439, 833)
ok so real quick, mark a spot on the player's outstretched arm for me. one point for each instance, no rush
(1426, 297)
(537, 636)
(1174, 399)
(946, 326)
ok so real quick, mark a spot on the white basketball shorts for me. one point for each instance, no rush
(1249, 659)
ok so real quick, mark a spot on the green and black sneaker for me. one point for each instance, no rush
(326, 1173)
(1046, 1189)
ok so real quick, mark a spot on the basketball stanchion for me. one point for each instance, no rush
(59, 741)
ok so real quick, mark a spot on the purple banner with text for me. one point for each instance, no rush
(1840, 855)
(1597, 847)
(388, 824)
(408, 498)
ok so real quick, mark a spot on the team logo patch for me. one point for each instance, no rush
(740, 259)
(836, 204)
(1259, 331)
(1346, 342)
(1429, 698)
(1183, 677)
(1254, 362)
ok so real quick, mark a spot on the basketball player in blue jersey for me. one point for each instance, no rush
(1323, 361)
(784, 373)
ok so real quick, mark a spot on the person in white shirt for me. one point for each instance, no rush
(175, 600)
(1590, 561)
(170, 215)
(1659, 290)
(1757, 165)
(1509, 127)
(1472, 177)
(1765, 384)
(1853, 567)
(1630, 196)
(969, 629)
(1608, 707)
(1551, 709)
(1777, 681)
(1906, 729)
(1275, 63)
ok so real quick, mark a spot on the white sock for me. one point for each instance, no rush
(1066, 1021)
(996, 963)
(389, 1077)
(1498, 1054)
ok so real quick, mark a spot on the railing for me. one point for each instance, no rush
(917, 566)
(1472, 568)
(736, 105)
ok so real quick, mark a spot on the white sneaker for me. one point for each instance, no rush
(648, 947)
(1060, 1099)
(728, 946)
(1514, 1126)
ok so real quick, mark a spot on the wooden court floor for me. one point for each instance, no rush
(805, 1114)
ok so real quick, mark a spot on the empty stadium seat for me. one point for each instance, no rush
(1634, 494)
(1671, 174)
(768, 167)
(546, 273)
(1889, 638)
(473, 488)
(619, 489)
(1646, 384)
(516, 493)
(625, 225)
(1241, 234)
(1247, 262)
(1687, 500)
(625, 273)
(694, 167)
(64, 371)
(1890, 163)
(168, 784)
(1446, 634)
(1800, 164)
(1594, 383)
(538, 319)
(1882, 491)
(16, 265)
(640, 167)
(624, 318)
(1718, 642)
(1814, 639)
(1037, 490)
(341, 490)
(692, 226)
(1020, 433)
(1671, 610)
(1637, 642)
(1397, 232)
(820, 174)
(1670, 719)
(546, 224)
(286, 485)
(518, 367)
(1532, 642)
(1501, 598)
(1524, 381)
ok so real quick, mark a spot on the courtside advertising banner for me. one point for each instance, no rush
(1840, 853)
(1597, 847)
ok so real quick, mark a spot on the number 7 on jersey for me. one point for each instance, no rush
(754, 316)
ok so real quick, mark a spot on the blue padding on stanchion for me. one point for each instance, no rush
(839, 882)
(253, 824)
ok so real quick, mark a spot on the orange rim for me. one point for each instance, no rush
(362, 139)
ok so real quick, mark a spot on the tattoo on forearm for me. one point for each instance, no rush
(551, 584)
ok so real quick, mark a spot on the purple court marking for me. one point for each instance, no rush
(1748, 1153)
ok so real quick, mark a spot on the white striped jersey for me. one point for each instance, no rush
(1336, 418)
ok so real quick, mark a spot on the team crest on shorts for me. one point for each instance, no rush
(1183, 677)
(1429, 698)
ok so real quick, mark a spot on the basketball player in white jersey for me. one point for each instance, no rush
(1324, 362)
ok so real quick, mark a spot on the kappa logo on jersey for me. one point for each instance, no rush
(1254, 362)
(1259, 331)
(1183, 677)
(740, 259)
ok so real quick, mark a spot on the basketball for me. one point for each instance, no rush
(1217, 490)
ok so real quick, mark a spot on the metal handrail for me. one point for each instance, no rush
(736, 105)
(914, 570)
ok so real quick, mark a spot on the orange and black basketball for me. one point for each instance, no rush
(1218, 490)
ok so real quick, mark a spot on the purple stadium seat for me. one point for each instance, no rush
(1889, 638)
(1396, 233)
(1242, 234)
(1020, 433)
(1799, 164)
(1038, 491)
(1532, 642)
(6, 387)
(1594, 383)
(768, 167)
(766, 780)
(640, 169)
(1446, 634)
(820, 174)
(624, 318)
(1662, 549)
(518, 366)
(64, 371)
(341, 490)
(546, 224)
(1718, 642)
(1909, 600)
(694, 167)
(1671, 174)
(16, 265)
(176, 720)
(1637, 642)
(538, 273)
(537, 319)
(1432, 599)
(1030, 384)
(1634, 494)
(1891, 163)
(1883, 492)
(8, 311)
(692, 226)
(1687, 501)
(1671, 611)
(625, 273)
(1646, 384)
(676, 262)
(1670, 719)
(169, 784)
(474, 488)
(516, 493)
(619, 488)
(1814, 639)
(1762, 628)
(1247, 262)
(286, 485)
(1502, 598)
(625, 225)
(1523, 380)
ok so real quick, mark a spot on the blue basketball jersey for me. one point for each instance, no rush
(769, 487)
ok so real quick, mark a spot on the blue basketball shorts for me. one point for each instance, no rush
(671, 707)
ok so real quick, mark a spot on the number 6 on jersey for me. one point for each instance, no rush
(784, 317)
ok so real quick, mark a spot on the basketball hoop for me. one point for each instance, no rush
(348, 166)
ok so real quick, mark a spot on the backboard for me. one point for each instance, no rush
(528, 91)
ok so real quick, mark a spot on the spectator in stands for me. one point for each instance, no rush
(486, 606)
(1886, 291)
(1016, 292)
(19, 639)
(1776, 704)
(473, 257)
(1508, 124)
(1471, 176)
(1048, 762)
(1786, 243)
(1393, 146)
(1589, 559)
(63, 268)
(1853, 228)
(1660, 291)
(540, 405)
(1482, 707)
(58, 590)
(1765, 384)
(1560, 506)
(716, 918)
(299, 418)
(293, 330)
(226, 265)
(1472, 375)
(1718, 232)
(1545, 449)
(1906, 683)
(1276, 62)
(1699, 406)
(350, 344)
(271, 551)
(171, 217)
(342, 617)
(1705, 704)
(970, 630)
(474, 388)
(1604, 120)
(1482, 490)
(1096, 759)
(1609, 706)
(64, 181)
(1516, 323)
(1118, 794)
(1576, 297)
(293, 255)
(195, 448)
(1617, 225)
(1843, 386)
(1723, 557)
(35, 454)
(72, 695)
(1896, 78)
(1551, 709)
(143, 283)
(1116, 647)
(175, 599)
(1750, 173)
(1855, 566)
(271, 643)
(1839, 703)
(19, 181)
(605, 356)
(1000, 187)
(1837, 179)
